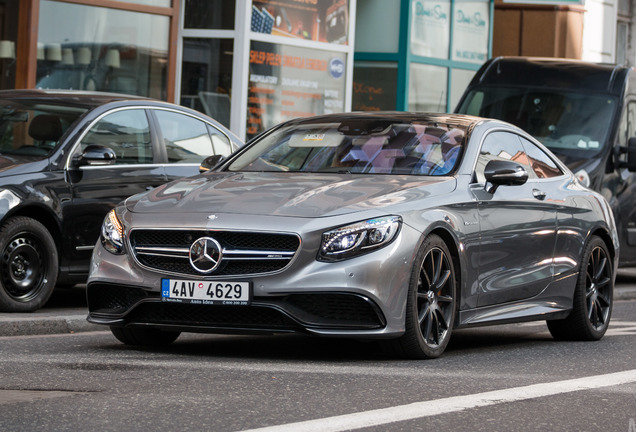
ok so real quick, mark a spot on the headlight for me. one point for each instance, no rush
(358, 238)
(112, 236)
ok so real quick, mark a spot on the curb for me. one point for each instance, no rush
(46, 325)
(625, 294)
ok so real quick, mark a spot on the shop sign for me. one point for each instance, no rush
(286, 82)
(470, 31)
(320, 21)
(430, 28)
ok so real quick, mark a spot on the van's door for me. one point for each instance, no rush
(619, 187)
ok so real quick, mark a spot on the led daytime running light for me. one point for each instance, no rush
(358, 238)
(112, 217)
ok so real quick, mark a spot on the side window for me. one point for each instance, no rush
(127, 133)
(186, 139)
(542, 164)
(501, 146)
(220, 142)
(627, 127)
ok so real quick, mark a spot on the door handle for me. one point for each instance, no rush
(538, 194)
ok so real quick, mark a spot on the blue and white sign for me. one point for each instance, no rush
(336, 67)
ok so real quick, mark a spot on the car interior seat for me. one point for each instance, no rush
(46, 130)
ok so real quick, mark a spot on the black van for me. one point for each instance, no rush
(584, 112)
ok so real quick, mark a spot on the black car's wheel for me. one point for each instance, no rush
(431, 303)
(144, 336)
(28, 265)
(593, 297)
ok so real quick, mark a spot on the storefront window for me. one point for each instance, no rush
(427, 88)
(286, 82)
(430, 28)
(377, 26)
(8, 39)
(112, 50)
(206, 78)
(374, 86)
(160, 3)
(322, 21)
(460, 79)
(471, 31)
(209, 14)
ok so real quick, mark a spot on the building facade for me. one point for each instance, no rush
(252, 64)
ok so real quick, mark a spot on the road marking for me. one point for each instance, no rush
(621, 328)
(452, 404)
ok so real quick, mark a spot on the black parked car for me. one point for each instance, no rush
(66, 159)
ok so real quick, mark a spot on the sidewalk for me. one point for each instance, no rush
(66, 311)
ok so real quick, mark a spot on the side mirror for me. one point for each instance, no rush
(504, 173)
(210, 163)
(630, 164)
(96, 155)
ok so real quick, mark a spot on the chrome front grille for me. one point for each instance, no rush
(243, 253)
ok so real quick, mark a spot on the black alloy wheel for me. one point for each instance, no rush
(431, 303)
(593, 297)
(28, 265)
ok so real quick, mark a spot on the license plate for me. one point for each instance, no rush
(205, 292)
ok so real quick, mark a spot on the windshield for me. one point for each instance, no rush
(570, 124)
(33, 129)
(358, 146)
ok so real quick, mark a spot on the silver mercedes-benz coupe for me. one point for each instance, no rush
(394, 226)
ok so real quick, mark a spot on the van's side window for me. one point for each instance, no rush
(627, 128)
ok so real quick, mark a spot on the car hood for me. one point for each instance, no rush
(13, 164)
(286, 194)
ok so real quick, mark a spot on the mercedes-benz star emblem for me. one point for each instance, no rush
(205, 255)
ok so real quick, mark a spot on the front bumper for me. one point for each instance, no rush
(310, 313)
(360, 297)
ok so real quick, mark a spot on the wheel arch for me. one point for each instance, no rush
(607, 239)
(45, 216)
(453, 246)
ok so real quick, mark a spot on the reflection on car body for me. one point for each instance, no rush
(66, 159)
(393, 226)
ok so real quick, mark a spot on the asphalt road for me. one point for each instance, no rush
(502, 378)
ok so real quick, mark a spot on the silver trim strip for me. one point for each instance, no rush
(228, 254)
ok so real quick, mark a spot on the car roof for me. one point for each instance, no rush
(457, 120)
(553, 73)
(75, 98)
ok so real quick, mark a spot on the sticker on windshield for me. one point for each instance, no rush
(325, 139)
(581, 144)
(314, 137)
(593, 144)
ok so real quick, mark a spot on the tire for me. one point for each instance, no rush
(431, 303)
(593, 297)
(140, 336)
(28, 265)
